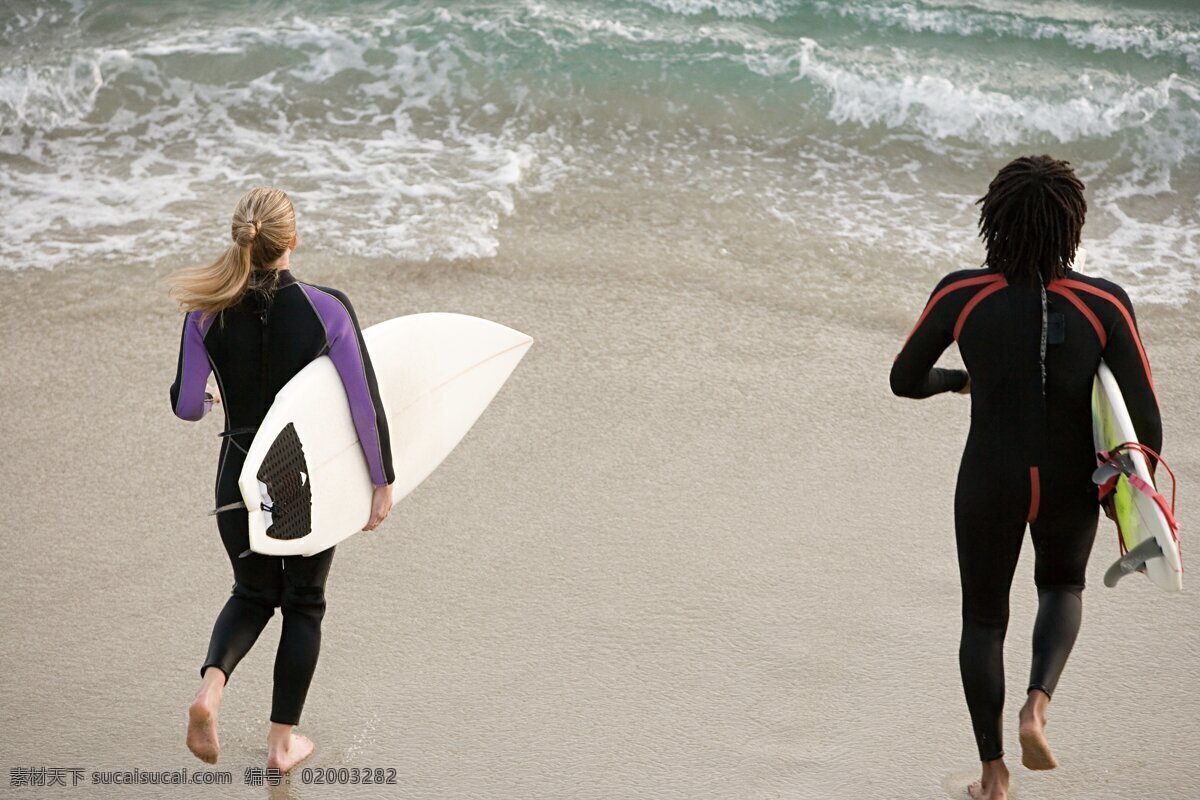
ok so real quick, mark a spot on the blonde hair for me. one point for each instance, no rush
(264, 225)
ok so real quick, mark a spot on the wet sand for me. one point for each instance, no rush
(694, 549)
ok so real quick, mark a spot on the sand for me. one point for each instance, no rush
(694, 549)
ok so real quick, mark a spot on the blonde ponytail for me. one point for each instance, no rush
(263, 227)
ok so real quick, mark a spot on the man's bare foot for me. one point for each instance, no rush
(1035, 750)
(976, 792)
(286, 749)
(993, 785)
(202, 717)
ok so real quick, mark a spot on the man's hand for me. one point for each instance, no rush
(1109, 505)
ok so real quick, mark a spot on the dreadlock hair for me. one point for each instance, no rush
(1031, 218)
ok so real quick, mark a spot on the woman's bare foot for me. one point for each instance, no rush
(286, 749)
(994, 783)
(202, 717)
(1035, 750)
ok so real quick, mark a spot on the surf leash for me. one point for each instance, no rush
(1116, 462)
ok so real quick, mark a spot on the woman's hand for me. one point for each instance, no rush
(214, 393)
(381, 506)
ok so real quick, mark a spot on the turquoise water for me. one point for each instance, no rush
(418, 131)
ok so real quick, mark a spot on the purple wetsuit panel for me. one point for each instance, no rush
(188, 392)
(347, 355)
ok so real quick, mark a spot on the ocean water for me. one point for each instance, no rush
(790, 147)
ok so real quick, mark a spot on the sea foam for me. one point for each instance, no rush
(412, 133)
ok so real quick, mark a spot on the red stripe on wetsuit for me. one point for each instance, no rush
(960, 284)
(996, 283)
(1035, 494)
(1067, 283)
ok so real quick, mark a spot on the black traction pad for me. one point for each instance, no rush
(285, 473)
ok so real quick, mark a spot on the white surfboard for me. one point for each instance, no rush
(436, 374)
(1143, 526)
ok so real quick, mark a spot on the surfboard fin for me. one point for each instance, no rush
(1114, 464)
(1133, 561)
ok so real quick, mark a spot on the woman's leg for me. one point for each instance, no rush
(202, 717)
(256, 591)
(303, 607)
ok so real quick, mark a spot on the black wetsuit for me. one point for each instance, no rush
(1029, 456)
(253, 349)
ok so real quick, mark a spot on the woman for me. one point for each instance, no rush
(253, 326)
(1031, 332)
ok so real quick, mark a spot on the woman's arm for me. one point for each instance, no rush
(345, 347)
(189, 400)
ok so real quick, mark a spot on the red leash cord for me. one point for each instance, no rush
(1145, 487)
